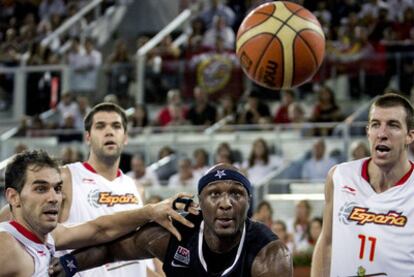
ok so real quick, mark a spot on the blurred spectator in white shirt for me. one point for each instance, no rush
(185, 176)
(142, 175)
(220, 30)
(68, 107)
(200, 167)
(260, 163)
(317, 167)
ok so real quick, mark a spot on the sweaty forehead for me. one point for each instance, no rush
(225, 185)
(108, 117)
(388, 113)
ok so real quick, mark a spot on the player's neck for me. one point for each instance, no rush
(383, 178)
(221, 244)
(107, 170)
(25, 229)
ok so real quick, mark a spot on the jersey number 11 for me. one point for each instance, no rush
(370, 242)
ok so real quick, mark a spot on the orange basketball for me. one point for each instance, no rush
(280, 45)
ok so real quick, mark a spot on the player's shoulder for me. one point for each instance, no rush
(9, 246)
(13, 256)
(274, 259)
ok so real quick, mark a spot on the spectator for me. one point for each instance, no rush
(300, 225)
(120, 73)
(260, 163)
(174, 113)
(264, 213)
(68, 106)
(228, 107)
(279, 228)
(165, 151)
(220, 30)
(84, 108)
(282, 113)
(325, 110)
(200, 166)
(317, 167)
(184, 177)
(224, 154)
(69, 155)
(85, 66)
(217, 8)
(201, 112)
(143, 176)
(255, 111)
(139, 118)
(195, 36)
(49, 7)
(359, 150)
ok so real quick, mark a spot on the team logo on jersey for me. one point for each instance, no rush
(345, 211)
(363, 216)
(182, 255)
(97, 198)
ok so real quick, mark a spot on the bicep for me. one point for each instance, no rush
(149, 241)
(273, 260)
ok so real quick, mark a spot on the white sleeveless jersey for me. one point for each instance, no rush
(373, 233)
(40, 252)
(94, 196)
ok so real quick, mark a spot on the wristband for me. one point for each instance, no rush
(69, 264)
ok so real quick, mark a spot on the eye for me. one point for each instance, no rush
(58, 189)
(214, 194)
(41, 189)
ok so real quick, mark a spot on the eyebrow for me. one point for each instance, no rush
(44, 182)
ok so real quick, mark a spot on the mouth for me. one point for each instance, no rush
(225, 222)
(382, 149)
(110, 143)
(51, 213)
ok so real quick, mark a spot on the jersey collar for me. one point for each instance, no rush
(200, 249)
(25, 232)
(365, 175)
(89, 167)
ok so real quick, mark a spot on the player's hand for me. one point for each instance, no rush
(56, 269)
(164, 213)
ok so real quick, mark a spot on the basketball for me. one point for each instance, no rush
(280, 45)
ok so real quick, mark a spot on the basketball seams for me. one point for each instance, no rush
(315, 59)
(268, 44)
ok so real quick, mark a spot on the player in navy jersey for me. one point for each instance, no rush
(224, 241)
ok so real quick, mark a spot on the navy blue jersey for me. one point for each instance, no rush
(186, 258)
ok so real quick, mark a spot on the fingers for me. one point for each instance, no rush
(176, 216)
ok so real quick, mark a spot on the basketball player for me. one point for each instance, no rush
(368, 225)
(224, 241)
(97, 187)
(34, 192)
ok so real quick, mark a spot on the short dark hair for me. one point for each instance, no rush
(16, 170)
(390, 100)
(105, 107)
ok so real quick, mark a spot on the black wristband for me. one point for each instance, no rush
(69, 264)
(186, 201)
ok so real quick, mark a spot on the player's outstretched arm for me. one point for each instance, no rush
(321, 261)
(110, 227)
(273, 260)
(149, 241)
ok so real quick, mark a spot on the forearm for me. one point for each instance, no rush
(113, 226)
(321, 261)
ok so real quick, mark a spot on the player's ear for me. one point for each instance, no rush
(13, 197)
(87, 138)
(410, 137)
